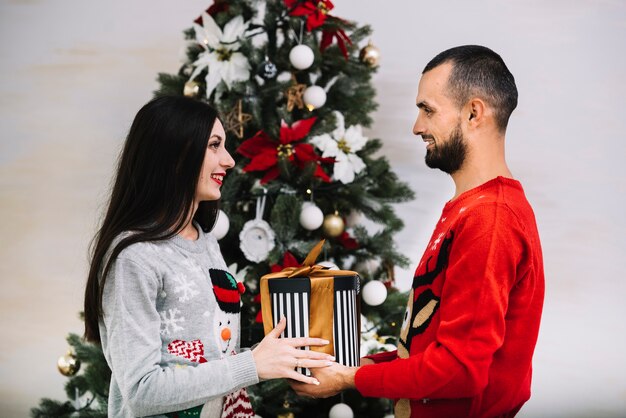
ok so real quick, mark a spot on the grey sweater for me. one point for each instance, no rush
(163, 332)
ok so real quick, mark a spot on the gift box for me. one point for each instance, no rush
(317, 302)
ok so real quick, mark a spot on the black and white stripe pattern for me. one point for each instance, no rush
(345, 320)
(291, 298)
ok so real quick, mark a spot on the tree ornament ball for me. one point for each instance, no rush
(222, 225)
(68, 364)
(311, 217)
(374, 292)
(267, 70)
(340, 410)
(314, 97)
(191, 89)
(368, 266)
(301, 57)
(333, 225)
(370, 55)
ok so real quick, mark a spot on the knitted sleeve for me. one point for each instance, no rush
(132, 346)
(482, 269)
(383, 356)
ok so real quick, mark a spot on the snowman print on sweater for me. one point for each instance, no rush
(227, 293)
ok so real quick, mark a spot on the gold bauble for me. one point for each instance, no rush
(333, 225)
(191, 89)
(370, 54)
(68, 364)
(287, 413)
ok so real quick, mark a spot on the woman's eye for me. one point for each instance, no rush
(214, 145)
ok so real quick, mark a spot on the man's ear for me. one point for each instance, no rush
(475, 111)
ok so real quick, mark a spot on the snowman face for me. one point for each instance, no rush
(226, 331)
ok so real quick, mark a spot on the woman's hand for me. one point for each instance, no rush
(278, 357)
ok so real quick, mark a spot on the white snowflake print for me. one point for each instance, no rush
(437, 241)
(184, 288)
(463, 209)
(192, 266)
(170, 321)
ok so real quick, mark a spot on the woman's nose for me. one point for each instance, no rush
(227, 161)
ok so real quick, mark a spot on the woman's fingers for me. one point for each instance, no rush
(314, 355)
(302, 378)
(280, 327)
(304, 341)
(312, 364)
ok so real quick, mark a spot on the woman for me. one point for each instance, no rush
(159, 297)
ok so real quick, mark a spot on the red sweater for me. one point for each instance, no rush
(473, 313)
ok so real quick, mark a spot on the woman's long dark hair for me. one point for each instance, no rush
(154, 188)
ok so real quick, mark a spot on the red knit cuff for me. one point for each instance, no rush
(368, 380)
(383, 356)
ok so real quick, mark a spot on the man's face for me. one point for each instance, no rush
(439, 122)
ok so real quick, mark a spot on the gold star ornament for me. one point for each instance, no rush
(294, 95)
(235, 120)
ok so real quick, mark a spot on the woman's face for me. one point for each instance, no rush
(216, 161)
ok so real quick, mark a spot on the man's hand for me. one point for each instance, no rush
(333, 379)
(365, 361)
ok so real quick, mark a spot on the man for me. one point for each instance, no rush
(472, 318)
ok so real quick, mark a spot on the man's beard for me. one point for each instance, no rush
(449, 155)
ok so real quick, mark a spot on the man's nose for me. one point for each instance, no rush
(418, 128)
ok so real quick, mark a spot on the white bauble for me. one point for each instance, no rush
(374, 293)
(340, 410)
(314, 97)
(221, 225)
(311, 217)
(328, 264)
(389, 416)
(368, 266)
(354, 218)
(301, 57)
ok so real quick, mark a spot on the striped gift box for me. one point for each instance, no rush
(316, 302)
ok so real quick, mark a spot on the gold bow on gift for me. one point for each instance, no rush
(322, 296)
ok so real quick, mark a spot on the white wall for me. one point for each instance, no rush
(73, 74)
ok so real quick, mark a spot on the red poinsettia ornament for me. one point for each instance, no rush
(315, 11)
(265, 152)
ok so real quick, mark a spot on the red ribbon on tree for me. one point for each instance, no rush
(336, 33)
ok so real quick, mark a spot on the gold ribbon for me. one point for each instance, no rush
(322, 297)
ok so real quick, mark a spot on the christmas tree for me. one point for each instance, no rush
(293, 84)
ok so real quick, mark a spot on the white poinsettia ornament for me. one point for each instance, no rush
(342, 144)
(221, 56)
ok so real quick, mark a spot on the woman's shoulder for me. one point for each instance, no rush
(139, 252)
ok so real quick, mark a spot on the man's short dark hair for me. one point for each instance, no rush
(480, 72)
